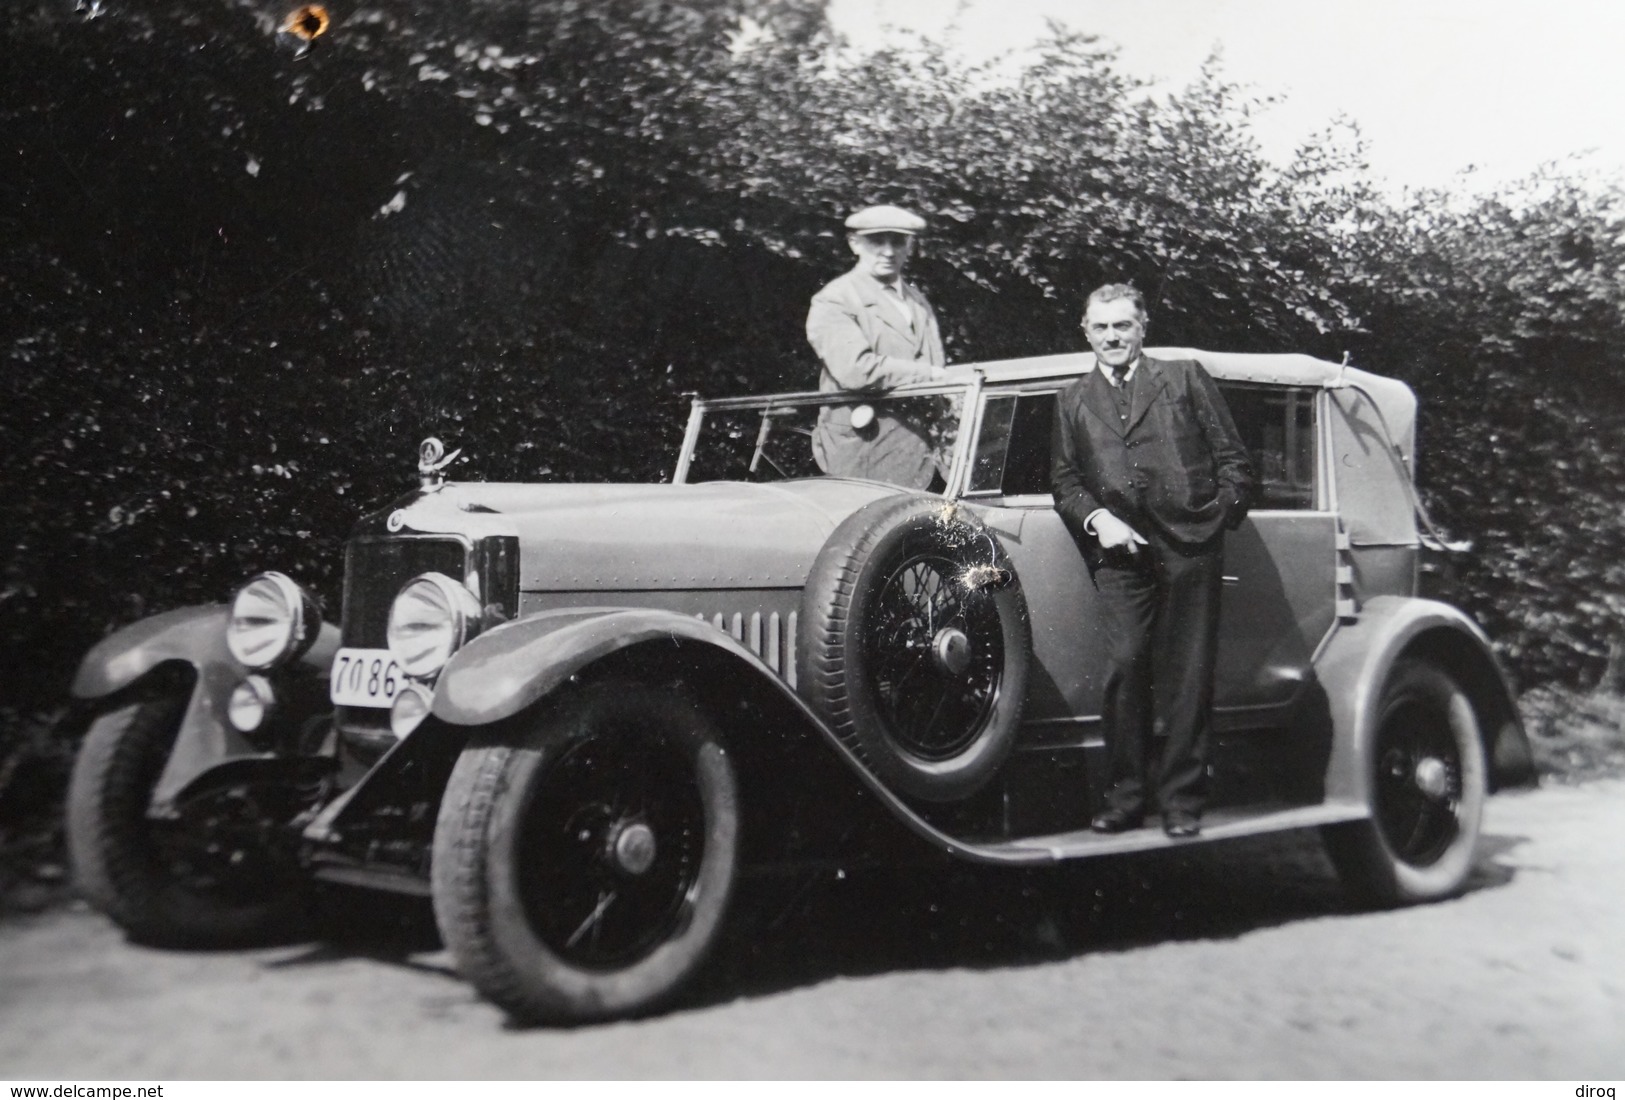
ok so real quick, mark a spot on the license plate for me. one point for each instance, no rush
(364, 678)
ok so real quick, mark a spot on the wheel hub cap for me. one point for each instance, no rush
(1432, 777)
(634, 848)
(951, 649)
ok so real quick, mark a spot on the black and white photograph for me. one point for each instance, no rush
(812, 540)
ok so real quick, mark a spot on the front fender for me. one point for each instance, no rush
(1356, 663)
(502, 672)
(506, 670)
(195, 636)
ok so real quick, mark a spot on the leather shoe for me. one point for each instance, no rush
(1180, 824)
(1115, 821)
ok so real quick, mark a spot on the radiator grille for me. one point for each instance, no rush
(374, 571)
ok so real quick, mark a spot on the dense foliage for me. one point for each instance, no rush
(242, 283)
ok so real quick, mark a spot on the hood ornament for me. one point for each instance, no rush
(432, 459)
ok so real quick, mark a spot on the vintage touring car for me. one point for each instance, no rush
(575, 716)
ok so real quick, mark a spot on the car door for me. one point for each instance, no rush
(1009, 483)
(1280, 565)
(1279, 596)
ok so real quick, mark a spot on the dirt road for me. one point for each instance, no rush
(1220, 961)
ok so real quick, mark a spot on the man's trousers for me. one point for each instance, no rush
(1177, 588)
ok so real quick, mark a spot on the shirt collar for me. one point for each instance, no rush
(900, 284)
(1128, 375)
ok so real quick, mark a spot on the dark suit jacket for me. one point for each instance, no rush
(1176, 465)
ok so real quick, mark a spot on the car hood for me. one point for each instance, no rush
(622, 537)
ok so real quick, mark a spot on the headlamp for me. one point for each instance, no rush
(430, 619)
(249, 703)
(410, 708)
(272, 621)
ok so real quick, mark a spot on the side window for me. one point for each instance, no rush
(1012, 452)
(987, 466)
(1277, 425)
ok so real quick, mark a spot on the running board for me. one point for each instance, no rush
(1225, 824)
(373, 877)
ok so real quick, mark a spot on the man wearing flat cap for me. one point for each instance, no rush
(873, 332)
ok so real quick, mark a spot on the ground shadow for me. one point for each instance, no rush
(1489, 871)
(353, 923)
(874, 921)
(794, 931)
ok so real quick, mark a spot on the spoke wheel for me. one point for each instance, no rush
(936, 656)
(610, 848)
(209, 878)
(914, 646)
(582, 868)
(1427, 788)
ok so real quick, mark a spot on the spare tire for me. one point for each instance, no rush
(914, 645)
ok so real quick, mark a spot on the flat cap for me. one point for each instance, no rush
(885, 219)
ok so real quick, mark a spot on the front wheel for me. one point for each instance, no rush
(582, 868)
(204, 879)
(1427, 785)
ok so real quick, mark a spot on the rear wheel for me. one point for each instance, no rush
(581, 869)
(204, 879)
(1427, 787)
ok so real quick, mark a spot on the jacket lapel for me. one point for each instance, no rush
(1149, 380)
(1098, 399)
(874, 298)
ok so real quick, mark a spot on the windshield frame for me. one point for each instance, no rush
(968, 389)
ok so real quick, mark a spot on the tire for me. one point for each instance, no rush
(933, 713)
(582, 868)
(1427, 784)
(162, 884)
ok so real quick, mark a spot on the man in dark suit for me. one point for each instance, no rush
(1148, 472)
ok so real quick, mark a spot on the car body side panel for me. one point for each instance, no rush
(1065, 681)
(1278, 602)
(195, 636)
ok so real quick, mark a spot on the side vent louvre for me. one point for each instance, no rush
(771, 637)
(1348, 600)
